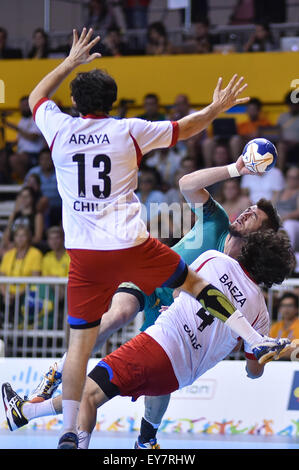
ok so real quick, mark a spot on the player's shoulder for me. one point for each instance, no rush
(209, 256)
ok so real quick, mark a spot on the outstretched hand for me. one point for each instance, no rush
(80, 51)
(228, 97)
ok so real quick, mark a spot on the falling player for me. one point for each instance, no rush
(211, 231)
(185, 340)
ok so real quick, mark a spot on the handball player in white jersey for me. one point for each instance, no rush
(185, 340)
(96, 161)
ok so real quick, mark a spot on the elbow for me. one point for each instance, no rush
(184, 183)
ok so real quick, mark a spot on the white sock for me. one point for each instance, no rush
(84, 439)
(60, 363)
(238, 323)
(70, 409)
(36, 410)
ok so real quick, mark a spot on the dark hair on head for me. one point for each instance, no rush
(268, 257)
(32, 194)
(4, 32)
(24, 98)
(273, 220)
(255, 101)
(202, 20)
(93, 92)
(154, 172)
(152, 96)
(159, 27)
(290, 295)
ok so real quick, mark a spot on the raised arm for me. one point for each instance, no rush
(79, 54)
(222, 100)
(193, 185)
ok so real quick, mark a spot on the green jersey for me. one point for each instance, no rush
(208, 233)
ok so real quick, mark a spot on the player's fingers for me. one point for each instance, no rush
(240, 90)
(242, 100)
(75, 37)
(219, 83)
(94, 56)
(92, 43)
(82, 35)
(238, 84)
(88, 36)
(232, 82)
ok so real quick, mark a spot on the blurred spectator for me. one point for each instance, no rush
(181, 107)
(24, 214)
(151, 107)
(202, 41)
(22, 260)
(7, 52)
(232, 198)
(248, 129)
(29, 139)
(40, 45)
(136, 12)
(166, 161)
(244, 12)
(220, 157)
(263, 185)
(261, 40)
(288, 145)
(56, 262)
(115, 45)
(18, 167)
(288, 324)
(100, 16)
(123, 108)
(46, 172)
(148, 193)
(157, 40)
(42, 203)
(287, 204)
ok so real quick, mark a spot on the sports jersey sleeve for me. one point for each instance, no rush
(153, 135)
(262, 325)
(49, 119)
(211, 210)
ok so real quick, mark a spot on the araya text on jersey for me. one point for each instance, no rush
(89, 139)
(234, 290)
(192, 336)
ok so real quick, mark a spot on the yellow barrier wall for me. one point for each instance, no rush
(269, 75)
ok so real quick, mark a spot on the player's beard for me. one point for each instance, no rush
(234, 232)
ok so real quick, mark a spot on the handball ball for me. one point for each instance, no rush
(259, 155)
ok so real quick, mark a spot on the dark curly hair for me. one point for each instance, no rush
(268, 257)
(93, 91)
(273, 219)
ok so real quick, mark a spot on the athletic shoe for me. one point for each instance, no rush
(152, 444)
(69, 440)
(45, 389)
(13, 404)
(271, 349)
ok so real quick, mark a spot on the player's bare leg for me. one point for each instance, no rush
(123, 309)
(74, 374)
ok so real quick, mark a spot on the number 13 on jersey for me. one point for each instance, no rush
(101, 162)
